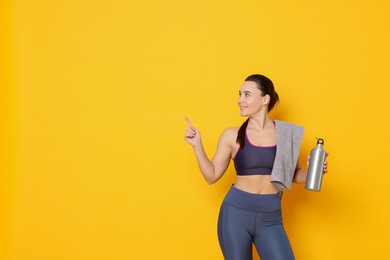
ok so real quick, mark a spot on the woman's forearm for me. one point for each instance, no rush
(300, 176)
(205, 165)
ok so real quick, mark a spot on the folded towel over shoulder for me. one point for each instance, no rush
(288, 141)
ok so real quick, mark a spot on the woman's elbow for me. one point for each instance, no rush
(211, 181)
(212, 178)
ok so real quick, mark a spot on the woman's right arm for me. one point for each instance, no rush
(212, 170)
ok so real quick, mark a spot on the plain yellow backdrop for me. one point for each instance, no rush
(93, 100)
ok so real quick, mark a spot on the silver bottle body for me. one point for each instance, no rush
(316, 167)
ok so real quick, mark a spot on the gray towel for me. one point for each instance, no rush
(288, 141)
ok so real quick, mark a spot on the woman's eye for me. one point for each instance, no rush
(244, 94)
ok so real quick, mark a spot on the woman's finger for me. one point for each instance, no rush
(188, 122)
(190, 131)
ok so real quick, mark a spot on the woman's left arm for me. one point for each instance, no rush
(300, 174)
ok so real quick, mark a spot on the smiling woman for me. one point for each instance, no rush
(265, 154)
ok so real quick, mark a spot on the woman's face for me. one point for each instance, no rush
(250, 99)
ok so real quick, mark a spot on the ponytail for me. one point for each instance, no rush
(241, 134)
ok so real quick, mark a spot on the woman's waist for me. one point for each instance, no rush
(257, 184)
(252, 201)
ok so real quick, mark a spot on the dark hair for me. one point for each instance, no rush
(266, 87)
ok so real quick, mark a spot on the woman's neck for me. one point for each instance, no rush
(260, 121)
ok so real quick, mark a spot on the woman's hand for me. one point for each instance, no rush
(192, 135)
(325, 163)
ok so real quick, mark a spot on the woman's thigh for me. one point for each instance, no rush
(272, 244)
(235, 230)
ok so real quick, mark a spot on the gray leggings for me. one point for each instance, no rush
(247, 218)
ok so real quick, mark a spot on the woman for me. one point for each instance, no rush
(265, 155)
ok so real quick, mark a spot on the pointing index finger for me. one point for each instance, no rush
(188, 122)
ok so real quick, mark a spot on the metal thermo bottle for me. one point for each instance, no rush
(316, 167)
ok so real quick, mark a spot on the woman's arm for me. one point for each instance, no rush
(212, 170)
(300, 174)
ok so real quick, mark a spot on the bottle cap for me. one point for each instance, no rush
(320, 141)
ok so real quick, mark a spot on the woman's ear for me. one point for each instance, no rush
(266, 99)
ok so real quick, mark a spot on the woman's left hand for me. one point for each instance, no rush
(326, 163)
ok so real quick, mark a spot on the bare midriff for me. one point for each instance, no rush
(258, 184)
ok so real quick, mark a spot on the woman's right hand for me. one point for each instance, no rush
(192, 135)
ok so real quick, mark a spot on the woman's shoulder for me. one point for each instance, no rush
(229, 136)
(288, 125)
(231, 130)
(230, 133)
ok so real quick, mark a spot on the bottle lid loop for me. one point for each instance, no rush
(320, 140)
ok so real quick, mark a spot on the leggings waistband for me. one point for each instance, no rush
(253, 202)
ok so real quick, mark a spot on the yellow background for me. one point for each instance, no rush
(93, 98)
